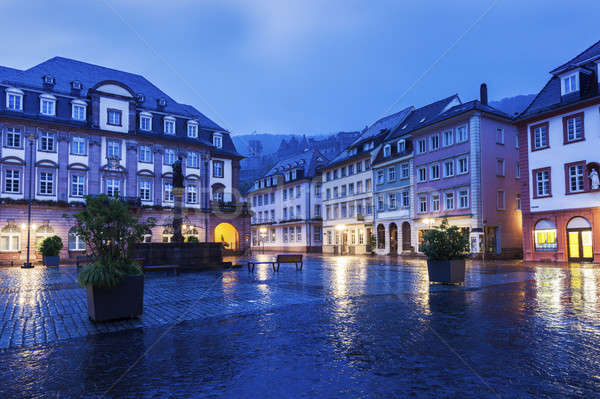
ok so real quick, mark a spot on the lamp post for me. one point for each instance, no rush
(263, 233)
(340, 228)
(28, 264)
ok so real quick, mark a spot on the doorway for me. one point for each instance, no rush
(579, 240)
(393, 239)
(406, 237)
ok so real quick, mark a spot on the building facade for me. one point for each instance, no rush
(287, 205)
(71, 129)
(560, 188)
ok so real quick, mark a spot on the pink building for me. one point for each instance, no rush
(466, 168)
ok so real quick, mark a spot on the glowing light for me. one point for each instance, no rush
(33, 226)
(23, 225)
(263, 230)
(340, 227)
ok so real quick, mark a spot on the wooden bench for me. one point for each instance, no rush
(296, 259)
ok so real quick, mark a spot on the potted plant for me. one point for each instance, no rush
(114, 281)
(50, 249)
(446, 248)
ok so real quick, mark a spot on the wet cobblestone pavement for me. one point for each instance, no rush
(343, 327)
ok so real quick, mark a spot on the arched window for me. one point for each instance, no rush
(10, 238)
(167, 234)
(545, 236)
(218, 192)
(191, 231)
(43, 232)
(75, 242)
(380, 236)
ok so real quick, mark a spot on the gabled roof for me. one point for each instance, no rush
(423, 116)
(66, 70)
(590, 54)
(308, 161)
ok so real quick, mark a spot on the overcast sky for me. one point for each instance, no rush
(286, 66)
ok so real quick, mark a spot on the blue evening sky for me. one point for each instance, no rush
(307, 66)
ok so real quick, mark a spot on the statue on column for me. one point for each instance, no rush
(178, 192)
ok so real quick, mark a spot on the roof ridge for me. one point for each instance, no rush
(58, 57)
(572, 58)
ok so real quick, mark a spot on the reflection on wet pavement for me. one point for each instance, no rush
(343, 327)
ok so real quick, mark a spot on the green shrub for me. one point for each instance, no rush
(445, 243)
(51, 246)
(192, 239)
(110, 229)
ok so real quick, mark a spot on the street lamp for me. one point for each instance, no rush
(340, 228)
(263, 233)
(28, 264)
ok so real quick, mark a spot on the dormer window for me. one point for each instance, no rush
(140, 98)
(218, 140)
(401, 146)
(76, 85)
(49, 80)
(169, 125)
(387, 150)
(146, 121)
(14, 99)
(162, 102)
(47, 105)
(570, 83)
(113, 117)
(78, 109)
(192, 129)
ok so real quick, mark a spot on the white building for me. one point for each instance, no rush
(286, 205)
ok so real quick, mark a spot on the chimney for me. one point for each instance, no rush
(483, 94)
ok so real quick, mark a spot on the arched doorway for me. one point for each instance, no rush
(380, 236)
(579, 239)
(406, 237)
(227, 234)
(393, 239)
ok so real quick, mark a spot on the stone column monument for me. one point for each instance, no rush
(178, 192)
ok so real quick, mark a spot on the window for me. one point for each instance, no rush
(500, 171)
(380, 177)
(387, 150)
(192, 194)
(14, 99)
(78, 110)
(449, 200)
(434, 142)
(335, 192)
(575, 173)
(541, 177)
(13, 138)
(77, 185)
(145, 192)
(359, 186)
(169, 127)
(463, 199)
(358, 167)
(46, 186)
(317, 233)
(449, 168)
(405, 170)
(146, 121)
(113, 117)
(343, 187)
(570, 84)
(401, 146)
(298, 191)
(518, 201)
(421, 146)
(168, 192)
(517, 140)
(46, 142)
(434, 171)
(435, 203)
(272, 198)
(113, 187)
(573, 128)
(517, 170)
(10, 236)
(317, 210)
(500, 200)
(218, 140)
(422, 174)
(169, 157)
(392, 200)
(392, 173)
(351, 189)
(448, 138)
(47, 105)
(461, 134)
(367, 164)
(218, 167)
(499, 136)
(76, 243)
(539, 137)
(285, 215)
(318, 190)
(113, 149)
(405, 199)
(193, 160)
(545, 236)
(145, 154)
(285, 234)
(463, 166)
(12, 181)
(380, 203)
(192, 130)
(298, 211)
(78, 146)
(422, 204)
(367, 185)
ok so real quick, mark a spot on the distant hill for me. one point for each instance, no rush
(513, 105)
(270, 142)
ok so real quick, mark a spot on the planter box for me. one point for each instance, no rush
(125, 301)
(446, 271)
(51, 261)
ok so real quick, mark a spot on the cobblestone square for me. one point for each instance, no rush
(342, 327)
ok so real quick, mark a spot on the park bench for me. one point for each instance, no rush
(296, 259)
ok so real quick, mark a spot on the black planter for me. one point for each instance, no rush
(125, 301)
(51, 261)
(446, 271)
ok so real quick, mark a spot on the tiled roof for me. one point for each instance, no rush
(590, 54)
(423, 116)
(308, 160)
